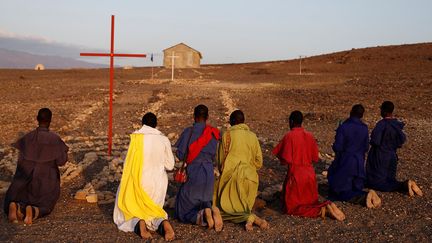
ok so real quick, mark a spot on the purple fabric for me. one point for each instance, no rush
(37, 178)
(381, 165)
(197, 192)
(346, 175)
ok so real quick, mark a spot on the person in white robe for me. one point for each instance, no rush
(153, 150)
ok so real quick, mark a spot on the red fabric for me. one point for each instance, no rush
(298, 149)
(196, 147)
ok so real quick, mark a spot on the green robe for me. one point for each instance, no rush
(236, 189)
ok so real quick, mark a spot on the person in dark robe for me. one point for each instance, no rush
(35, 187)
(194, 198)
(346, 174)
(298, 150)
(382, 160)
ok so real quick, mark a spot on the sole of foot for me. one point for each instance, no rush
(262, 223)
(335, 212)
(28, 220)
(209, 218)
(376, 200)
(249, 226)
(169, 231)
(143, 230)
(12, 215)
(414, 189)
(218, 222)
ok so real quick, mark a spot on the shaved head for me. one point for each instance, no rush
(149, 119)
(295, 119)
(44, 115)
(201, 113)
(357, 111)
(237, 117)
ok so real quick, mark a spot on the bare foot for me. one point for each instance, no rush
(369, 200)
(12, 215)
(376, 200)
(217, 219)
(335, 212)
(249, 226)
(209, 217)
(413, 188)
(143, 230)
(338, 212)
(169, 231)
(28, 220)
(262, 223)
(20, 215)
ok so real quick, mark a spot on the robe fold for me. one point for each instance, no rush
(238, 159)
(298, 150)
(37, 178)
(197, 192)
(381, 164)
(346, 175)
(142, 190)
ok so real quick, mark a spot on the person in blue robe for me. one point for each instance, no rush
(346, 174)
(194, 198)
(382, 161)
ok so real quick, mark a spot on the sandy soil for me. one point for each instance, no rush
(267, 93)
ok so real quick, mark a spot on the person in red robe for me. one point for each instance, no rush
(298, 150)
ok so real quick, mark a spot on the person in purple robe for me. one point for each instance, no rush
(35, 187)
(346, 174)
(194, 199)
(381, 164)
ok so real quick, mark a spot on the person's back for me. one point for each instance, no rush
(382, 160)
(239, 158)
(36, 183)
(346, 174)
(141, 194)
(298, 149)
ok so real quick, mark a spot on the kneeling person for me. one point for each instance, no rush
(35, 187)
(142, 190)
(239, 158)
(381, 164)
(298, 150)
(346, 175)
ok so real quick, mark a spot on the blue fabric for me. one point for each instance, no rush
(381, 165)
(346, 175)
(197, 192)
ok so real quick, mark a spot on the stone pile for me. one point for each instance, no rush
(73, 170)
(269, 193)
(110, 173)
(9, 161)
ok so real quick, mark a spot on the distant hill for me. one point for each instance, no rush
(18, 59)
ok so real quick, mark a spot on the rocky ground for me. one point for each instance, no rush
(267, 93)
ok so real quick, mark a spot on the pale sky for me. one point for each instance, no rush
(224, 31)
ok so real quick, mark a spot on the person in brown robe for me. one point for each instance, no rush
(35, 187)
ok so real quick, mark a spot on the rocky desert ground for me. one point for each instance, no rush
(267, 92)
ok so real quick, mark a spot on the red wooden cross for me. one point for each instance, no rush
(111, 55)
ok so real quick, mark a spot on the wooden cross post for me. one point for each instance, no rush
(111, 55)
(172, 65)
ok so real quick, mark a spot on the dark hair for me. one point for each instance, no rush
(296, 117)
(44, 115)
(149, 119)
(236, 117)
(357, 111)
(387, 107)
(201, 111)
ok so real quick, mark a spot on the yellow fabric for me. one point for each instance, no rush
(236, 189)
(133, 201)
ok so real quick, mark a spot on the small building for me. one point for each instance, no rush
(39, 67)
(184, 55)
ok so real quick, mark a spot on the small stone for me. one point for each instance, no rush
(170, 203)
(81, 195)
(92, 198)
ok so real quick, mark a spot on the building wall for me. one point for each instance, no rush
(186, 57)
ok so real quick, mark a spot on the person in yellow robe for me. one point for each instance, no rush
(143, 186)
(239, 157)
